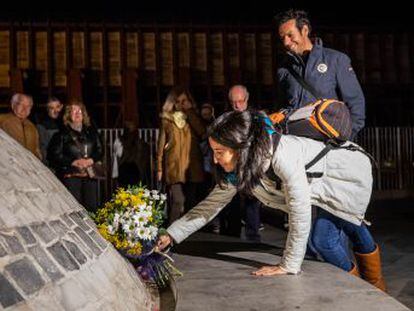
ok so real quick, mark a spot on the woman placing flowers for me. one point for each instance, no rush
(246, 149)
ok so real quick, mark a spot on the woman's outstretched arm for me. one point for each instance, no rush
(200, 215)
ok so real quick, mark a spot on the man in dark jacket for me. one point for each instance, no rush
(328, 71)
(48, 124)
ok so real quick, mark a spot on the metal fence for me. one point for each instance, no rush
(391, 147)
(149, 135)
(393, 150)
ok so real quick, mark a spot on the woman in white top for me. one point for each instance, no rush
(246, 148)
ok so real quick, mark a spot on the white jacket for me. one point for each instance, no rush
(344, 190)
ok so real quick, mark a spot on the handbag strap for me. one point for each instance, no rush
(304, 83)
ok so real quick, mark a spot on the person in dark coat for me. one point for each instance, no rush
(328, 71)
(73, 151)
(49, 124)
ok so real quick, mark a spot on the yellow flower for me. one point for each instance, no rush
(135, 200)
(125, 203)
(103, 230)
(120, 244)
(136, 249)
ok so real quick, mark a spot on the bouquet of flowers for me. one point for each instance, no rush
(132, 221)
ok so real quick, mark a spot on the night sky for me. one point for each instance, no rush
(392, 15)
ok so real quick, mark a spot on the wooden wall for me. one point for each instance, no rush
(51, 58)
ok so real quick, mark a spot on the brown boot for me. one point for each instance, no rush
(354, 271)
(370, 268)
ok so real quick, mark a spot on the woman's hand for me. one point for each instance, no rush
(78, 163)
(270, 270)
(82, 163)
(159, 176)
(163, 241)
(88, 162)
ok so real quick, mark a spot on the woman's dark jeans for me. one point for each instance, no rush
(327, 240)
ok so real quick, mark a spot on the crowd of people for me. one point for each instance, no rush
(215, 169)
(322, 208)
(63, 138)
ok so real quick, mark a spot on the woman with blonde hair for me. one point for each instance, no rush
(179, 158)
(73, 151)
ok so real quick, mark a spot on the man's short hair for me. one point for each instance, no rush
(18, 97)
(52, 99)
(242, 87)
(301, 18)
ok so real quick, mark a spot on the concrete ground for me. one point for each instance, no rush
(393, 228)
(216, 271)
(217, 277)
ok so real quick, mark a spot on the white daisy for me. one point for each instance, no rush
(111, 229)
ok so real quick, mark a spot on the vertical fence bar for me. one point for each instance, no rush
(378, 157)
(399, 160)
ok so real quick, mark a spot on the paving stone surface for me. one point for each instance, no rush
(69, 222)
(86, 250)
(26, 235)
(45, 261)
(44, 232)
(3, 252)
(78, 218)
(25, 274)
(51, 257)
(60, 228)
(13, 243)
(63, 257)
(88, 241)
(8, 294)
(75, 251)
(98, 239)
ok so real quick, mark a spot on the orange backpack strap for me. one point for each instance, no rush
(277, 117)
(332, 132)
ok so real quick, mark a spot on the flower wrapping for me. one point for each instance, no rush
(132, 222)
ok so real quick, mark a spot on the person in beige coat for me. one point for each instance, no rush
(18, 126)
(179, 158)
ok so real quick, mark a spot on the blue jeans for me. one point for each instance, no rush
(230, 218)
(326, 238)
(252, 218)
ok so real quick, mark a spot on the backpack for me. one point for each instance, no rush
(324, 119)
(275, 142)
(329, 145)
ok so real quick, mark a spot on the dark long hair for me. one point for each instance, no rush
(246, 133)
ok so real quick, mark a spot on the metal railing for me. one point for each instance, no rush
(393, 150)
(149, 135)
(391, 147)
